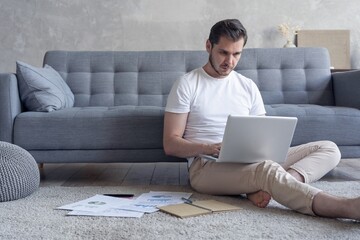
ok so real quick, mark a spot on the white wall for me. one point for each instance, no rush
(28, 28)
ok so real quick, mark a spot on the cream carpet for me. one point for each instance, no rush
(34, 217)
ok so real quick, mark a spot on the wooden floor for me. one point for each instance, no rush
(117, 174)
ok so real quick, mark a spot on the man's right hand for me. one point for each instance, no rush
(212, 149)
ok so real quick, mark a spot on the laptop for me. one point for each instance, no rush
(251, 139)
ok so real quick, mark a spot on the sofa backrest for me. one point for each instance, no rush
(112, 78)
(290, 75)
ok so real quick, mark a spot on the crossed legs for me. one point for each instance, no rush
(234, 179)
(264, 180)
(306, 163)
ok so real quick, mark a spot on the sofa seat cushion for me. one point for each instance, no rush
(120, 127)
(338, 124)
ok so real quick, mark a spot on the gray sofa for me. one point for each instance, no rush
(120, 98)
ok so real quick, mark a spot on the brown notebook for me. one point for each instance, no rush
(197, 208)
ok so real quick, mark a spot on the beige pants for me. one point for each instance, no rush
(312, 161)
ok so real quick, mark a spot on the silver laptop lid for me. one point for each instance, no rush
(249, 139)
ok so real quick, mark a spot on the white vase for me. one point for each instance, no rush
(289, 44)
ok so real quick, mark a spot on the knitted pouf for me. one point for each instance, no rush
(19, 173)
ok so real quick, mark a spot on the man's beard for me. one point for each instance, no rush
(213, 66)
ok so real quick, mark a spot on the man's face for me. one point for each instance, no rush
(224, 56)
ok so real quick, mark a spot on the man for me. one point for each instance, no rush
(194, 122)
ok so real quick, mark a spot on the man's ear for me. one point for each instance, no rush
(208, 46)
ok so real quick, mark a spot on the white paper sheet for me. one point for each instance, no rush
(151, 200)
(110, 212)
(96, 203)
(100, 205)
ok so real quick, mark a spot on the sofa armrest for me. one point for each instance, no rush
(10, 105)
(346, 88)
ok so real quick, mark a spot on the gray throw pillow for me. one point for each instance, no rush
(42, 89)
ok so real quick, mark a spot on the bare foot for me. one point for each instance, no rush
(327, 205)
(260, 199)
(354, 208)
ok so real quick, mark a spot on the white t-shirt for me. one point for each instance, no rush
(209, 101)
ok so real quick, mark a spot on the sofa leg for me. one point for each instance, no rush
(41, 165)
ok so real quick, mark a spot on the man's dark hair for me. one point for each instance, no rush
(229, 28)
